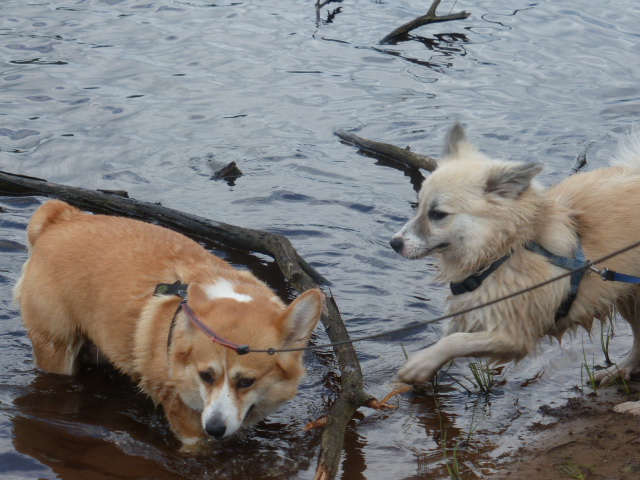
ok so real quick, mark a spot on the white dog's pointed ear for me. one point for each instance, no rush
(456, 143)
(301, 317)
(511, 181)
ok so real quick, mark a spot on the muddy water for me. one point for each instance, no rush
(151, 97)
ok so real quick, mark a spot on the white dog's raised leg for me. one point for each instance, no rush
(425, 364)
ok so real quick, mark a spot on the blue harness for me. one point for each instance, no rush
(579, 264)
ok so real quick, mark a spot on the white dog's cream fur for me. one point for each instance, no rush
(474, 210)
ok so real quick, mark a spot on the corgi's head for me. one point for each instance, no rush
(234, 390)
(472, 210)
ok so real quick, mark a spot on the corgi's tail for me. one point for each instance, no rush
(53, 211)
(629, 150)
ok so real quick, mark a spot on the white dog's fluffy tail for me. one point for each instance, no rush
(629, 150)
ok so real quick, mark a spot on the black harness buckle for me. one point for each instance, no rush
(173, 289)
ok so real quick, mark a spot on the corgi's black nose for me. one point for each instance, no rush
(216, 429)
(397, 243)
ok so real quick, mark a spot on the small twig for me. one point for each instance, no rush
(320, 422)
(382, 404)
(430, 17)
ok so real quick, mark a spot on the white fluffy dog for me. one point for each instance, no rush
(495, 231)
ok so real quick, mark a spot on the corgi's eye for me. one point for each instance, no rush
(245, 382)
(435, 214)
(206, 377)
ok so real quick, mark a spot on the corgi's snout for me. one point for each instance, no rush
(216, 428)
(397, 243)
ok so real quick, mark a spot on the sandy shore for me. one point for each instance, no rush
(587, 441)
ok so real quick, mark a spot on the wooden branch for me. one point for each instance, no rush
(324, 3)
(299, 273)
(291, 264)
(390, 152)
(430, 17)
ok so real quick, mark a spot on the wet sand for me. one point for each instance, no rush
(587, 440)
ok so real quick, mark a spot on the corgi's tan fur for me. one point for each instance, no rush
(91, 278)
(474, 210)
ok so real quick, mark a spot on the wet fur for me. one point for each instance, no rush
(89, 281)
(473, 210)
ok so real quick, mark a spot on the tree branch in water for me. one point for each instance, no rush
(429, 17)
(390, 152)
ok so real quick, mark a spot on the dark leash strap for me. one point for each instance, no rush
(180, 289)
(469, 284)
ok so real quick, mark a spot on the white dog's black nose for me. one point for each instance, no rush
(397, 243)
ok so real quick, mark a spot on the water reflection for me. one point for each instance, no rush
(97, 425)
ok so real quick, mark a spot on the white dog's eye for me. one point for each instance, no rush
(435, 214)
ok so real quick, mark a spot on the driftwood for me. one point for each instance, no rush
(429, 17)
(390, 152)
(299, 273)
(417, 161)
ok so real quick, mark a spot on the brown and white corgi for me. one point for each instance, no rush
(91, 279)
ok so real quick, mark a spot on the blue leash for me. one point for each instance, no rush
(611, 276)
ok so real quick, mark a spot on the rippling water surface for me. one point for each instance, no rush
(152, 96)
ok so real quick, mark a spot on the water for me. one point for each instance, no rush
(151, 97)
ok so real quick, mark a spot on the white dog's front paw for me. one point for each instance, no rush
(628, 407)
(418, 369)
(611, 374)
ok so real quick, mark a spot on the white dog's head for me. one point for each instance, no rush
(472, 210)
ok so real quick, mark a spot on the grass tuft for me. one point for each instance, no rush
(483, 375)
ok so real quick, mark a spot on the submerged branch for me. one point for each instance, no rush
(298, 272)
(429, 17)
(390, 152)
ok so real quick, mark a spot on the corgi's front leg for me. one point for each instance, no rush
(185, 423)
(423, 366)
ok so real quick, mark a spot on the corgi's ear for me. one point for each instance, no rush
(301, 317)
(511, 181)
(456, 144)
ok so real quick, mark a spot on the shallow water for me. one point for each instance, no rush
(151, 97)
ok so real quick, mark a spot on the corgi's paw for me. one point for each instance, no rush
(628, 407)
(191, 445)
